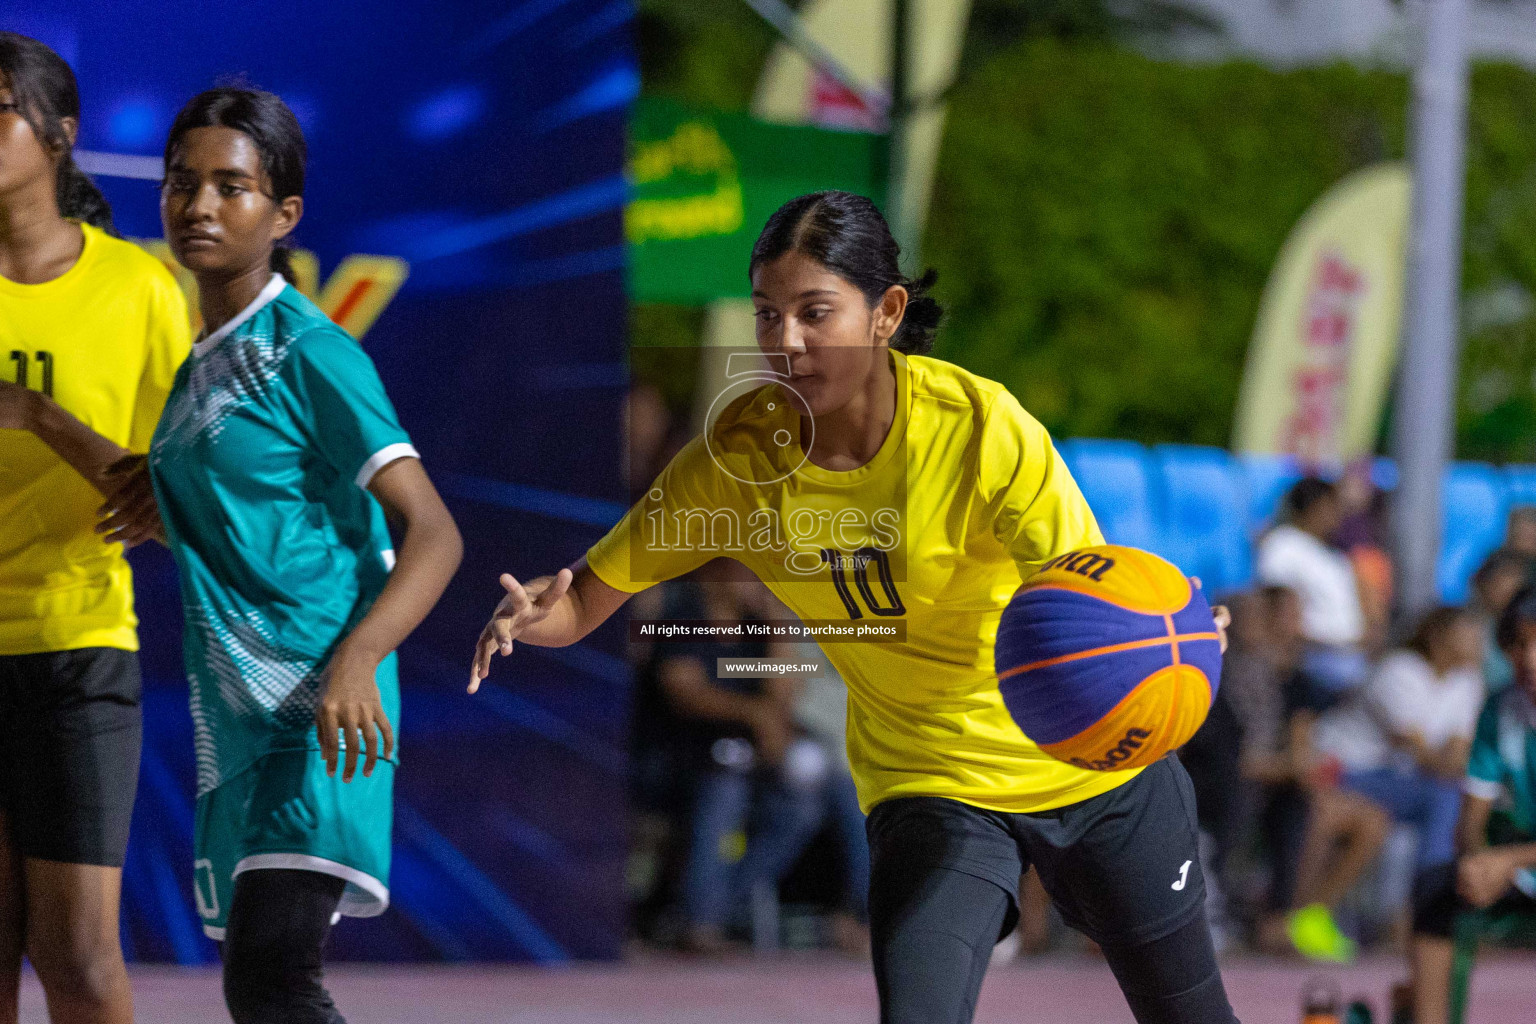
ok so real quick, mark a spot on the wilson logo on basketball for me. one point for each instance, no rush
(1084, 563)
(1128, 745)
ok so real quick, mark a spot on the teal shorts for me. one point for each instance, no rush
(286, 812)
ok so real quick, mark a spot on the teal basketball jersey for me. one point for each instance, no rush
(1502, 765)
(274, 427)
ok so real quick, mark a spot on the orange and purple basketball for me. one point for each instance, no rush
(1108, 658)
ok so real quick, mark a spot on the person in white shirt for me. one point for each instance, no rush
(1402, 741)
(1297, 554)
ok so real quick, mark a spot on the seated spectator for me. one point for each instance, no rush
(1297, 554)
(1321, 839)
(648, 425)
(734, 733)
(819, 791)
(1496, 834)
(1362, 536)
(1520, 530)
(1213, 753)
(1402, 741)
(1494, 585)
(660, 776)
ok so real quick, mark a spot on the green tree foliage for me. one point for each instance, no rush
(1496, 418)
(998, 25)
(1104, 225)
(702, 52)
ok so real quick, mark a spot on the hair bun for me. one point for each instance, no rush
(80, 199)
(921, 322)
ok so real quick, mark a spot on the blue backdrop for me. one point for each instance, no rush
(483, 143)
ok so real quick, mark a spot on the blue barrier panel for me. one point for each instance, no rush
(1519, 485)
(1266, 478)
(1473, 509)
(1115, 478)
(1204, 503)
(1203, 508)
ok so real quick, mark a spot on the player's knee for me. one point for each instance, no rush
(1205, 1003)
(78, 969)
(1174, 979)
(929, 975)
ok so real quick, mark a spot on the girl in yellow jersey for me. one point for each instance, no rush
(92, 329)
(873, 486)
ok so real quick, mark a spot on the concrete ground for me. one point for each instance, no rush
(799, 989)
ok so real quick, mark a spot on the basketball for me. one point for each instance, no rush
(1108, 658)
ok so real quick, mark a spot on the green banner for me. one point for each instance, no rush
(705, 182)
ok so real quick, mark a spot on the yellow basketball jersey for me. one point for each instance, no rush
(105, 339)
(931, 536)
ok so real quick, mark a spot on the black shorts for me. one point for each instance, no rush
(1123, 867)
(70, 728)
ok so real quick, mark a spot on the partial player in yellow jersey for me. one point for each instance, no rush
(92, 330)
(869, 484)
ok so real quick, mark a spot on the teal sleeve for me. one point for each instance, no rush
(1485, 765)
(342, 405)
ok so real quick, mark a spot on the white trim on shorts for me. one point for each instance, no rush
(372, 905)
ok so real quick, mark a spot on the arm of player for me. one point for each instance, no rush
(550, 611)
(86, 451)
(129, 514)
(428, 554)
(558, 610)
(1484, 873)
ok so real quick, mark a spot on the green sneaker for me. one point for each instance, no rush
(1316, 935)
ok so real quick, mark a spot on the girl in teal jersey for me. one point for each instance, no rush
(276, 464)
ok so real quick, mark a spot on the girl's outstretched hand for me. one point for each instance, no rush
(1221, 614)
(520, 608)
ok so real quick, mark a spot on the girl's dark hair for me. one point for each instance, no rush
(846, 234)
(1501, 561)
(1521, 609)
(1434, 626)
(266, 120)
(45, 91)
(1305, 493)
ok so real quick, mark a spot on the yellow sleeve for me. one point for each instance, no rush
(167, 340)
(1037, 510)
(654, 542)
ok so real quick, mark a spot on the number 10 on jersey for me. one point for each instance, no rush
(857, 565)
